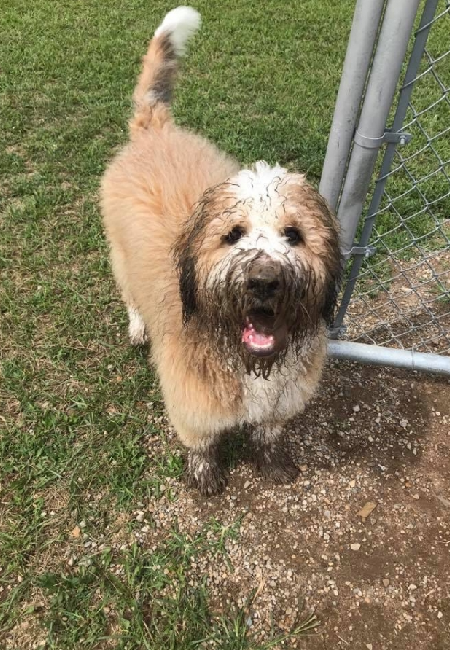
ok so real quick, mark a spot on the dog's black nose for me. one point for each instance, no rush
(262, 287)
(264, 278)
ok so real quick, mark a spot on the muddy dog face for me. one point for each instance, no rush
(259, 266)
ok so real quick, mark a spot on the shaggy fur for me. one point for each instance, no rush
(231, 274)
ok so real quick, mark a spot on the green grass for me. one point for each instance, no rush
(81, 430)
(145, 600)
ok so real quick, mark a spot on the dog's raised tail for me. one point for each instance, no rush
(153, 92)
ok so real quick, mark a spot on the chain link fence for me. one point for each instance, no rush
(397, 283)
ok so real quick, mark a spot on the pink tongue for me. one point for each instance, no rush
(261, 339)
(257, 337)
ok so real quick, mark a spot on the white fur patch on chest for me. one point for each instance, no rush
(278, 398)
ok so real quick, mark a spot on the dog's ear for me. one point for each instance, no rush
(332, 256)
(185, 251)
(188, 284)
(334, 265)
(330, 298)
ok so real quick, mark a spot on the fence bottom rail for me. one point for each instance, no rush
(380, 356)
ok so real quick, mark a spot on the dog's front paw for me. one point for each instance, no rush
(276, 464)
(204, 473)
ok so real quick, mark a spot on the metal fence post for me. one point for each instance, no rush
(391, 49)
(363, 34)
(403, 299)
(405, 94)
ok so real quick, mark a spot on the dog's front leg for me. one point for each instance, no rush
(272, 457)
(203, 468)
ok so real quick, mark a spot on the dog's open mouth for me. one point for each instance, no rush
(263, 335)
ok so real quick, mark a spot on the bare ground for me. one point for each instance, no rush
(378, 437)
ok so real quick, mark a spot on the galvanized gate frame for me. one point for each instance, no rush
(376, 50)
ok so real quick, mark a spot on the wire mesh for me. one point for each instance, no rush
(402, 296)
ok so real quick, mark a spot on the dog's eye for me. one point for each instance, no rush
(293, 236)
(234, 235)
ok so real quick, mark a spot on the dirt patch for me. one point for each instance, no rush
(379, 582)
(28, 633)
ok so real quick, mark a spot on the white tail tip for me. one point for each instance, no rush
(181, 23)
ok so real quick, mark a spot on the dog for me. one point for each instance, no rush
(231, 274)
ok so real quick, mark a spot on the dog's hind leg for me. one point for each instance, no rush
(136, 325)
(272, 458)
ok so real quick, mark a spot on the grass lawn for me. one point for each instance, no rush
(84, 441)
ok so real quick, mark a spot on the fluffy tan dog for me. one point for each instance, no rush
(231, 273)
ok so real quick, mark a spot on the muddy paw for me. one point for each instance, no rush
(204, 473)
(276, 464)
